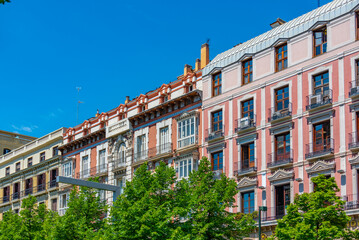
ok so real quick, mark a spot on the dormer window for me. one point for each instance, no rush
(320, 41)
(247, 71)
(281, 57)
(217, 84)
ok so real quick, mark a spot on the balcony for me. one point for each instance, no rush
(217, 173)
(187, 141)
(94, 171)
(245, 124)
(5, 199)
(15, 196)
(140, 155)
(40, 188)
(277, 115)
(155, 153)
(318, 101)
(52, 184)
(245, 169)
(214, 134)
(274, 213)
(119, 162)
(277, 160)
(351, 202)
(354, 89)
(323, 148)
(353, 141)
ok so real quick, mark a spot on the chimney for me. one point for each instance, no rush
(197, 66)
(277, 23)
(204, 55)
(127, 99)
(187, 69)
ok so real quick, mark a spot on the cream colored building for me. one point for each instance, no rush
(10, 141)
(31, 170)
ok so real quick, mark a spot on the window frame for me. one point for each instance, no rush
(219, 123)
(217, 157)
(42, 156)
(67, 169)
(217, 84)
(250, 112)
(250, 201)
(324, 41)
(357, 25)
(284, 59)
(249, 70)
(283, 100)
(29, 162)
(286, 143)
(17, 167)
(323, 85)
(186, 129)
(250, 158)
(7, 171)
(185, 167)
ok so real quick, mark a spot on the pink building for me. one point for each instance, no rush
(284, 107)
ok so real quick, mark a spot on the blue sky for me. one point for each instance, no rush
(111, 49)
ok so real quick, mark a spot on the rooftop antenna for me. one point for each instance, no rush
(78, 104)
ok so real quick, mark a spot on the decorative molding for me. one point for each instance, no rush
(318, 25)
(354, 161)
(280, 175)
(281, 128)
(247, 182)
(185, 115)
(321, 166)
(279, 41)
(320, 117)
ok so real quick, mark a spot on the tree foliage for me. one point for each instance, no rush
(4, 1)
(316, 215)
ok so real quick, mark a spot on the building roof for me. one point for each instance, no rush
(290, 29)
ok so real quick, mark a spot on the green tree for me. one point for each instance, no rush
(145, 209)
(3, 1)
(316, 215)
(204, 202)
(84, 216)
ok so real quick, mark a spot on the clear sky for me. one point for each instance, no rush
(111, 49)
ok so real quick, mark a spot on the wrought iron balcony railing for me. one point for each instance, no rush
(275, 114)
(354, 88)
(318, 100)
(278, 159)
(212, 134)
(319, 148)
(245, 123)
(353, 140)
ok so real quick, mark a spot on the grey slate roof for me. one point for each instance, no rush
(290, 29)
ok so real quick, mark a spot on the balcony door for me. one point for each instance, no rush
(41, 182)
(321, 136)
(282, 99)
(321, 84)
(282, 147)
(217, 161)
(217, 121)
(164, 139)
(282, 197)
(247, 154)
(85, 166)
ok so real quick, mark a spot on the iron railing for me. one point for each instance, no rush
(245, 123)
(353, 140)
(102, 168)
(212, 134)
(275, 114)
(319, 148)
(187, 141)
(351, 201)
(354, 88)
(277, 159)
(318, 100)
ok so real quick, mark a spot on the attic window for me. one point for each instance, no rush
(320, 41)
(143, 108)
(165, 98)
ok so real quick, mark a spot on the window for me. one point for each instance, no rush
(67, 169)
(282, 146)
(28, 186)
(165, 98)
(121, 153)
(282, 98)
(217, 121)
(53, 174)
(247, 109)
(63, 204)
(42, 156)
(282, 199)
(54, 204)
(7, 171)
(85, 166)
(16, 191)
(41, 182)
(248, 202)
(184, 168)
(102, 195)
(141, 152)
(357, 72)
(321, 136)
(6, 196)
(217, 161)
(17, 166)
(247, 155)
(186, 132)
(6, 150)
(247, 71)
(321, 84)
(55, 151)
(357, 25)
(29, 162)
(121, 182)
(281, 56)
(320, 41)
(216, 84)
(102, 162)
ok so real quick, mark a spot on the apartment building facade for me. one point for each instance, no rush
(9, 141)
(31, 170)
(283, 107)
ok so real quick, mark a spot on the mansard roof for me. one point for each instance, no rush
(288, 30)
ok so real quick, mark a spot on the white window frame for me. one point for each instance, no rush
(184, 166)
(67, 169)
(182, 133)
